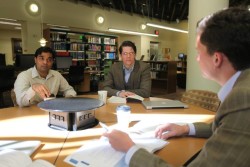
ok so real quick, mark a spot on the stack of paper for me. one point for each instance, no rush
(102, 151)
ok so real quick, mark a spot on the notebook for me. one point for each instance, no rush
(26, 146)
(164, 104)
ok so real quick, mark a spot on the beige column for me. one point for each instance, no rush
(197, 10)
(31, 34)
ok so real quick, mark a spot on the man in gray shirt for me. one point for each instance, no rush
(40, 82)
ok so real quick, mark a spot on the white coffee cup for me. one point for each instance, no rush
(123, 117)
(103, 95)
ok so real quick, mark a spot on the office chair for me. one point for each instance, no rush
(7, 78)
(13, 97)
(76, 76)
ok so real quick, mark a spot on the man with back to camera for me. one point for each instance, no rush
(130, 76)
(222, 42)
(40, 82)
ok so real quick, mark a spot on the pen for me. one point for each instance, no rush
(104, 126)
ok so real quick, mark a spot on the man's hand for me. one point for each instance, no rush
(125, 94)
(171, 130)
(119, 140)
(41, 90)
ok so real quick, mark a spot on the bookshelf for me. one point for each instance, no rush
(94, 51)
(181, 66)
(181, 70)
(87, 49)
(163, 76)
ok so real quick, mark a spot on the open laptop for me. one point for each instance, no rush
(28, 146)
(164, 104)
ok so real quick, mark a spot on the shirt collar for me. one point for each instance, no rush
(129, 69)
(35, 73)
(226, 88)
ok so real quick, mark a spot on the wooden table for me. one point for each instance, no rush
(30, 123)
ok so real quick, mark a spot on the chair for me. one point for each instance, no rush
(76, 76)
(202, 98)
(13, 97)
(7, 78)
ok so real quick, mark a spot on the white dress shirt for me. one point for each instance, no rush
(54, 81)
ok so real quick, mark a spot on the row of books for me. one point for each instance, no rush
(110, 41)
(110, 56)
(109, 48)
(160, 67)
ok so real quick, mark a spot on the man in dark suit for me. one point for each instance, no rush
(128, 77)
(222, 42)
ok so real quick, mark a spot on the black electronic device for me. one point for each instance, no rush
(63, 62)
(2, 60)
(24, 61)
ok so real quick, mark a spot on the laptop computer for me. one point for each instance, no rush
(164, 104)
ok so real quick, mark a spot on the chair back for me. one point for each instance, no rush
(13, 97)
(76, 75)
(202, 98)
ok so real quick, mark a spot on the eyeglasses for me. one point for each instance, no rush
(128, 53)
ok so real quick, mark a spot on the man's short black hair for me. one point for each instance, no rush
(127, 43)
(46, 50)
(228, 31)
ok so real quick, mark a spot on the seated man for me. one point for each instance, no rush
(40, 82)
(228, 64)
(129, 76)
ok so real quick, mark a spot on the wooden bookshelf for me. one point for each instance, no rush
(163, 75)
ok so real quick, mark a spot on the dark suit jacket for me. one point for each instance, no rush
(139, 81)
(229, 143)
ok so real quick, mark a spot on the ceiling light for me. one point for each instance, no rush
(143, 26)
(166, 28)
(6, 19)
(33, 8)
(10, 23)
(42, 42)
(100, 20)
(131, 32)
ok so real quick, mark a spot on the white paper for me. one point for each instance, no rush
(99, 152)
(13, 158)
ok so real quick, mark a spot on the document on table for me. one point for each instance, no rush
(99, 152)
(95, 153)
(9, 157)
(26, 146)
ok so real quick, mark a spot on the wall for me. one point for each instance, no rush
(82, 16)
(5, 43)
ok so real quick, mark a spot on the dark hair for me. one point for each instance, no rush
(127, 43)
(228, 32)
(46, 50)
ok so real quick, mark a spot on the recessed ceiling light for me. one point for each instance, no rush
(99, 19)
(33, 8)
(143, 26)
